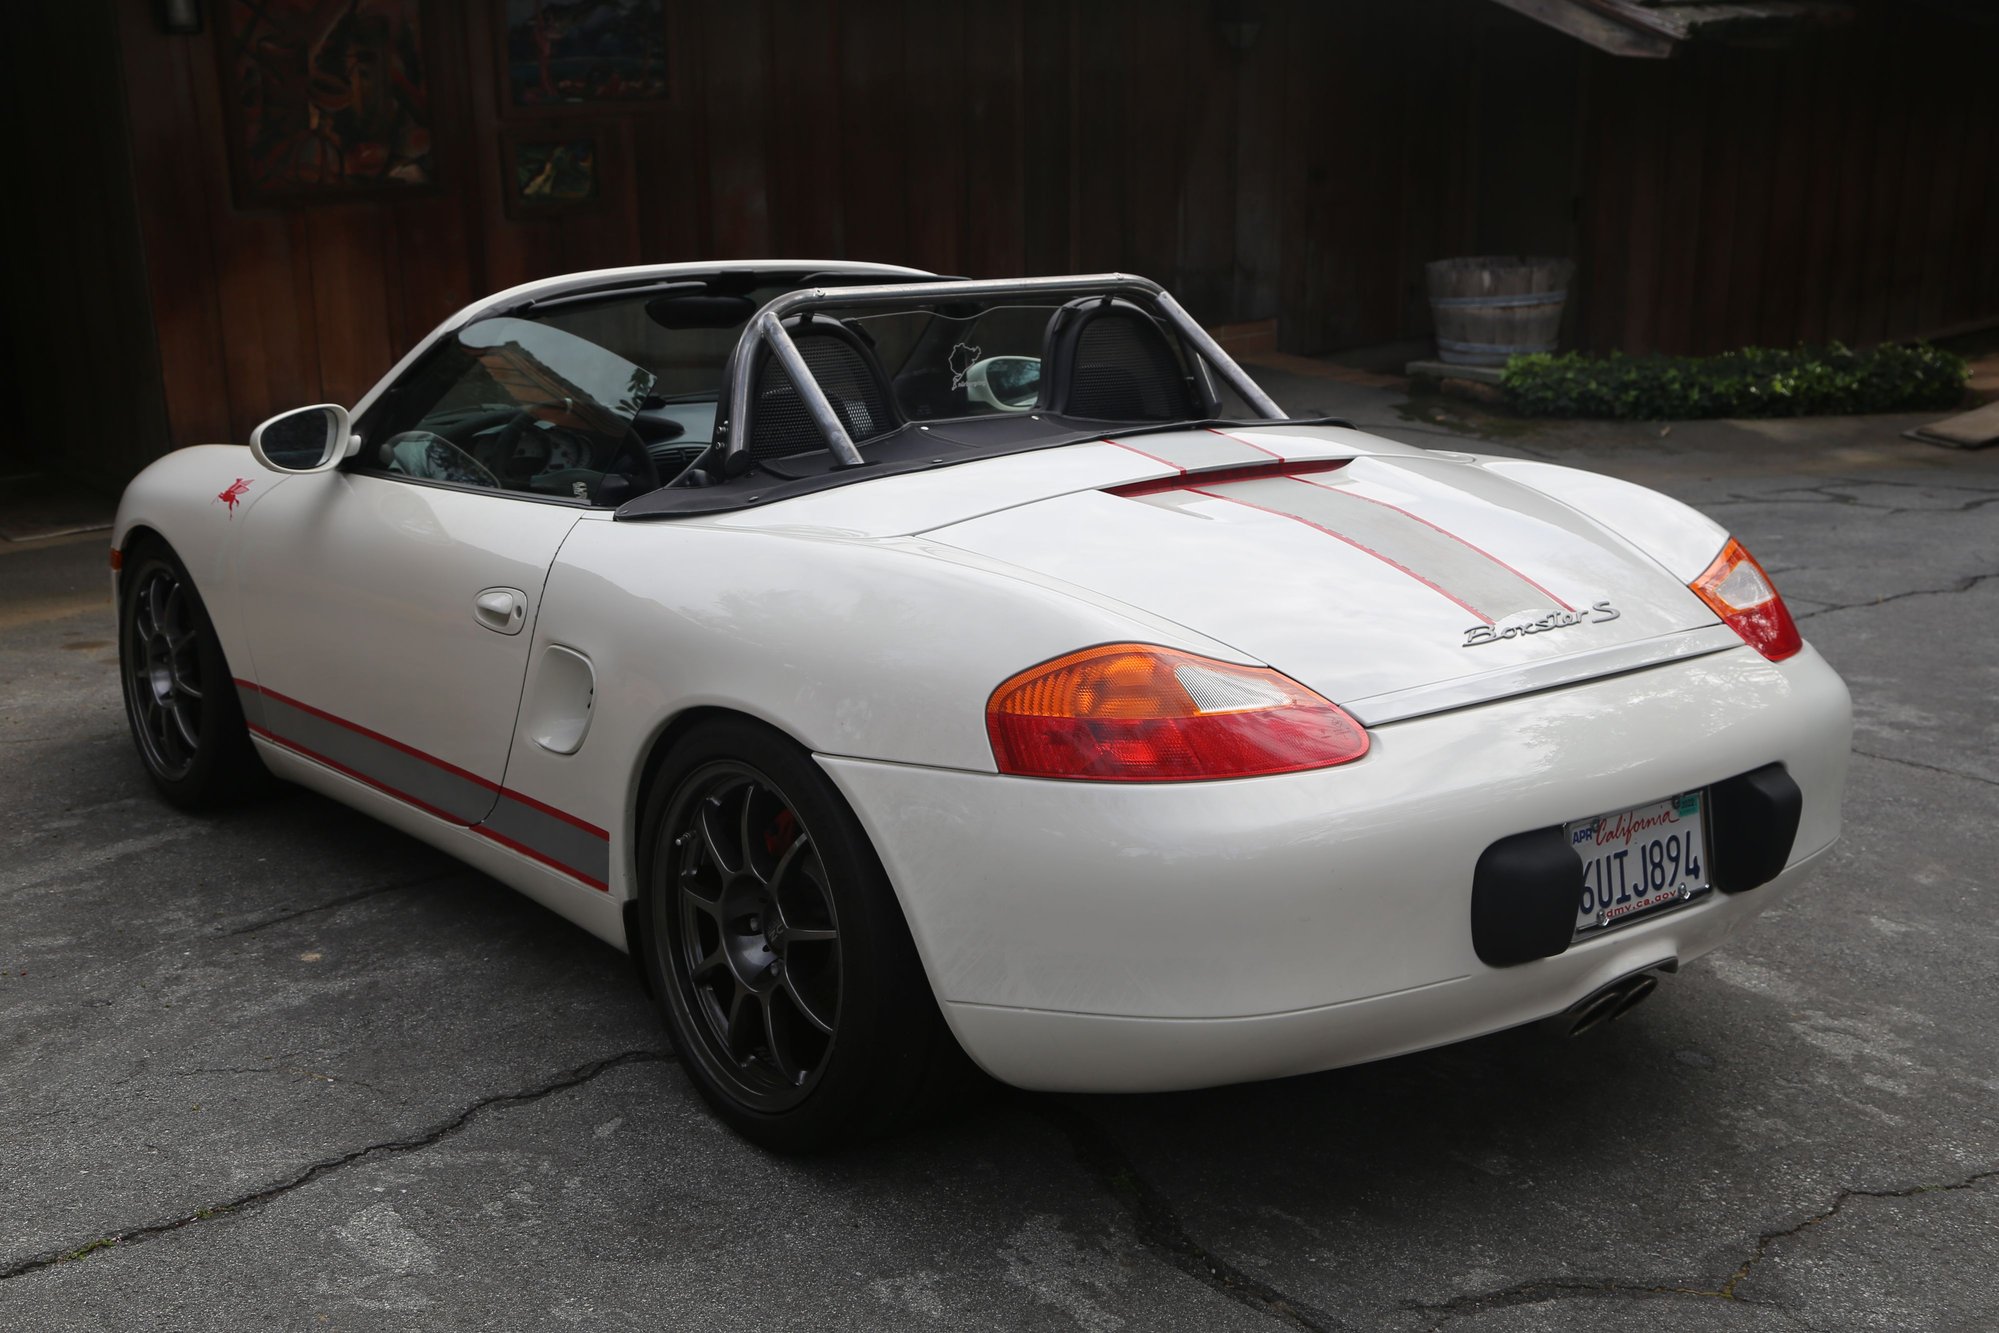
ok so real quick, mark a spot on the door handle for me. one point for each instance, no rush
(503, 610)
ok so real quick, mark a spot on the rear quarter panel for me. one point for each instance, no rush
(880, 650)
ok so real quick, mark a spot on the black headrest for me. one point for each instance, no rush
(1106, 359)
(847, 372)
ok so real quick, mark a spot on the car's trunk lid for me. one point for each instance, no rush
(1374, 579)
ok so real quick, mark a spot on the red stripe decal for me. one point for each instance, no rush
(1244, 439)
(1320, 527)
(542, 857)
(358, 729)
(1469, 546)
(1142, 454)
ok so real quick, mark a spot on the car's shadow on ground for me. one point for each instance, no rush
(1505, 1126)
(217, 1005)
(1520, 1102)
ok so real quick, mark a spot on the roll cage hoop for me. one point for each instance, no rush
(766, 329)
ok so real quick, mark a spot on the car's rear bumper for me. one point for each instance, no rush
(1070, 1052)
(1122, 937)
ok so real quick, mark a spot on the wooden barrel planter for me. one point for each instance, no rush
(1491, 307)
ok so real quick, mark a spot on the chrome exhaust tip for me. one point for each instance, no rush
(1611, 1002)
(1634, 995)
(1595, 1009)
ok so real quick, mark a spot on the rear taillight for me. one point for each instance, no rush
(1743, 596)
(1134, 712)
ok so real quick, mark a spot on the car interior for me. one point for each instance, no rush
(604, 397)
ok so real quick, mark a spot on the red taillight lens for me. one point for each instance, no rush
(1743, 596)
(1134, 712)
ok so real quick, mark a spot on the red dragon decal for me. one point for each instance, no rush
(236, 490)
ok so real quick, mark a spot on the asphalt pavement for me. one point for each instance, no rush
(287, 1069)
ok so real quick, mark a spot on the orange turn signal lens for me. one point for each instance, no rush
(1738, 591)
(1135, 712)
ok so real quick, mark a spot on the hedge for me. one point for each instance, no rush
(1754, 382)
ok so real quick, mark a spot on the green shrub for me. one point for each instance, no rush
(1754, 382)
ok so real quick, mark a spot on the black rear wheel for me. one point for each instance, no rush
(755, 934)
(782, 963)
(180, 698)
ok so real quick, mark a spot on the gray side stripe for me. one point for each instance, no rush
(580, 852)
(576, 849)
(452, 796)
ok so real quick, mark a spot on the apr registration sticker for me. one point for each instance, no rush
(1640, 860)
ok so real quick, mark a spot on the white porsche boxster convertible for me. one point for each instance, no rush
(899, 667)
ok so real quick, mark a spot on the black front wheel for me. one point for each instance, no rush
(783, 964)
(179, 696)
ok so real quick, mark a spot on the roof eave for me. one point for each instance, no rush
(1656, 30)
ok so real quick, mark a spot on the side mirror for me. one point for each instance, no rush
(306, 439)
(1010, 383)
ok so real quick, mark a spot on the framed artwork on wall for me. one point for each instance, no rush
(581, 53)
(324, 99)
(546, 172)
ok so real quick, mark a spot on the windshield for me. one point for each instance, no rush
(958, 361)
(535, 365)
(597, 397)
(683, 339)
(968, 359)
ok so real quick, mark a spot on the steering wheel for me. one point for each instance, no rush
(499, 456)
(497, 451)
(424, 454)
(644, 470)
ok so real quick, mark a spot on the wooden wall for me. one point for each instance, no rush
(1844, 190)
(992, 139)
(1006, 137)
(85, 395)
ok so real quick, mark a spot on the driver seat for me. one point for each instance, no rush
(1105, 359)
(847, 372)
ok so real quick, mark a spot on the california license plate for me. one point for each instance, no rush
(1640, 860)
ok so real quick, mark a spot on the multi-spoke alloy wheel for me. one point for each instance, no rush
(163, 679)
(179, 695)
(777, 949)
(755, 934)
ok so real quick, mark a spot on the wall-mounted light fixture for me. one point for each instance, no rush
(180, 16)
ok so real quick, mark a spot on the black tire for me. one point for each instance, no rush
(180, 699)
(741, 818)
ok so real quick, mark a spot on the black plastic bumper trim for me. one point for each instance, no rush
(1524, 893)
(1752, 826)
(1525, 887)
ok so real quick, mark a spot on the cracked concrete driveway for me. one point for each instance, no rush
(286, 1069)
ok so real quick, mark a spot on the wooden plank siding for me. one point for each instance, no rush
(1845, 188)
(78, 350)
(1837, 189)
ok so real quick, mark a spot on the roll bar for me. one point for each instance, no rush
(766, 327)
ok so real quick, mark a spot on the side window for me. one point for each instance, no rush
(514, 405)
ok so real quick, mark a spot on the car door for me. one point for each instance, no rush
(389, 604)
(389, 625)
